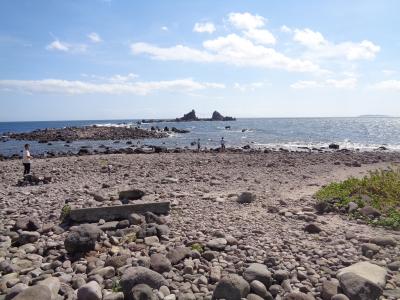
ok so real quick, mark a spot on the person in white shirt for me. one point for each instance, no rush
(26, 160)
(222, 144)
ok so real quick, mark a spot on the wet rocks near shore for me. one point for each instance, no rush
(87, 133)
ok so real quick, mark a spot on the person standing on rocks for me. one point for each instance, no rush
(222, 144)
(26, 160)
(198, 145)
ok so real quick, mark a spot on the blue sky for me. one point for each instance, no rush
(117, 59)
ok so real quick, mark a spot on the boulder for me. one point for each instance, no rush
(312, 228)
(35, 292)
(177, 254)
(232, 287)
(369, 211)
(366, 270)
(90, 291)
(82, 239)
(217, 244)
(358, 288)
(26, 224)
(28, 237)
(246, 197)
(160, 263)
(131, 195)
(329, 289)
(140, 275)
(384, 241)
(258, 272)
(53, 284)
(141, 292)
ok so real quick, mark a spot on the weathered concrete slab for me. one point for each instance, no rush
(120, 212)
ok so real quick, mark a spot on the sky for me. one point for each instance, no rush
(123, 59)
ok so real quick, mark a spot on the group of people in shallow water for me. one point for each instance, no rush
(27, 157)
(222, 149)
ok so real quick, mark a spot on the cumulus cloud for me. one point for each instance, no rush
(58, 45)
(95, 37)
(164, 28)
(261, 36)
(346, 83)
(58, 86)
(246, 20)
(204, 27)
(319, 47)
(387, 85)
(231, 49)
(285, 29)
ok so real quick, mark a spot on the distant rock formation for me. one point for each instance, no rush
(216, 116)
(190, 116)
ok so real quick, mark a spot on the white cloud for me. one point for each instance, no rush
(94, 37)
(123, 78)
(346, 83)
(387, 85)
(319, 47)
(309, 38)
(204, 27)
(57, 86)
(58, 45)
(164, 28)
(388, 72)
(231, 49)
(261, 36)
(248, 87)
(246, 20)
(285, 29)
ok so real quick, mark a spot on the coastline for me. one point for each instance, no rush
(202, 189)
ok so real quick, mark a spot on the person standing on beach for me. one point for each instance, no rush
(222, 144)
(198, 145)
(26, 160)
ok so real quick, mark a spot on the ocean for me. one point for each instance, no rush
(364, 133)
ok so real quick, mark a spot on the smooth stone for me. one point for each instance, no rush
(371, 272)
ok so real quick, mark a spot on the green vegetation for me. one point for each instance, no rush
(65, 211)
(198, 247)
(380, 189)
(116, 287)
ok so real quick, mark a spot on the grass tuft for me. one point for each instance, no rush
(379, 189)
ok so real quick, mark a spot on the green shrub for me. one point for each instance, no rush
(379, 189)
(65, 211)
(198, 247)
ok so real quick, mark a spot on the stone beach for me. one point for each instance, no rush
(241, 225)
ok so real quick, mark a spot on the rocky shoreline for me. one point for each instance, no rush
(240, 226)
(94, 132)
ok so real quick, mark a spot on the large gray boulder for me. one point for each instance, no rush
(160, 263)
(90, 291)
(35, 292)
(177, 254)
(232, 287)
(53, 284)
(258, 272)
(358, 288)
(138, 275)
(141, 292)
(366, 270)
(82, 238)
